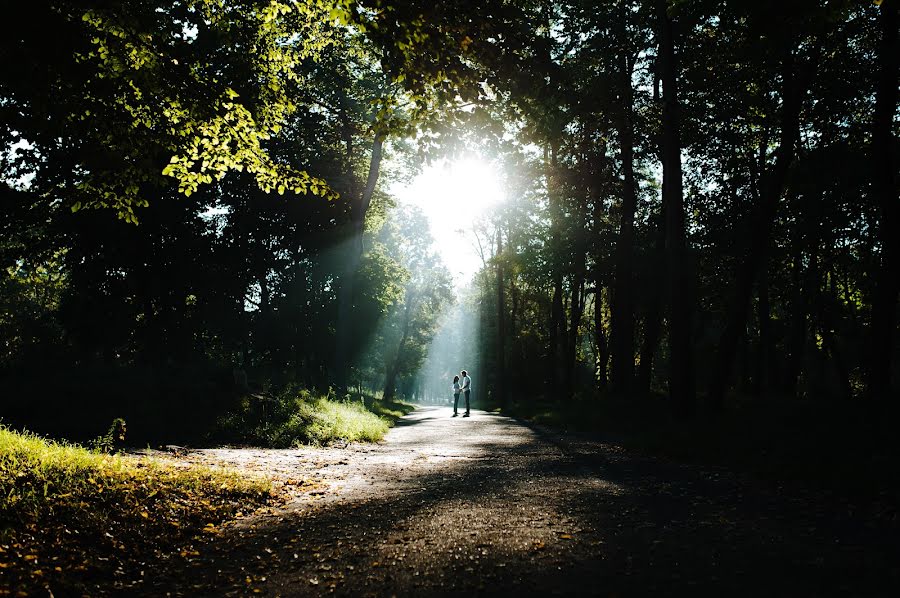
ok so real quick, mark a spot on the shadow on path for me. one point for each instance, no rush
(451, 506)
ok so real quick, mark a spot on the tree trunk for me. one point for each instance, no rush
(557, 308)
(358, 208)
(601, 342)
(393, 369)
(681, 368)
(743, 362)
(764, 346)
(653, 318)
(759, 235)
(575, 313)
(559, 346)
(622, 313)
(884, 184)
(602, 357)
(828, 303)
(501, 324)
(797, 340)
(515, 387)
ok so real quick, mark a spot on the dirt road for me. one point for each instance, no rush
(485, 505)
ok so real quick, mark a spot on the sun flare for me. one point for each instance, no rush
(455, 195)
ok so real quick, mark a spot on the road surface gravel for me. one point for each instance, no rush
(488, 506)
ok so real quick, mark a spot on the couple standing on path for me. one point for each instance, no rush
(464, 385)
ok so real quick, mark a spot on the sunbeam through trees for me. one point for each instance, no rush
(288, 222)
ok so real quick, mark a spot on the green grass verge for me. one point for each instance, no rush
(71, 518)
(320, 421)
(296, 417)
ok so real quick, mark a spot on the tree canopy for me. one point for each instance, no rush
(701, 199)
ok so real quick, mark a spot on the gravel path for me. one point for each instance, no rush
(485, 505)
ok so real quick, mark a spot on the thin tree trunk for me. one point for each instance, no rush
(681, 367)
(653, 317)
(501, 324)
(358, 208)
(797, 340)
(600, 340)
(577, 310)
(557, 308)
(515, 386)
(743, 362)
(515, 305)
(827, 307)
(622, 314)
(884, 301)
(764, 346)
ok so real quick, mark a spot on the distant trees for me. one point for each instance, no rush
(404, 336)
(759, 266)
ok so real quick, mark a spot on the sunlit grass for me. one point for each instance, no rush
(60, 503)
(320, 421)
(298, 417)
(35, 472)
(392, 410)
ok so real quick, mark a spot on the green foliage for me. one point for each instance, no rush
(298, 417)
(146, 90)
(399, 346)
(323, 421)
(113, 440)
(30, 296)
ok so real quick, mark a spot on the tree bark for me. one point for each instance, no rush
(764, 345)
(653, 317)
(358, 208)
(601, 342)
(883, 324)
(575, 313)
(797, 341)
(501, 323)
(557, 308)
(622, 313)
(681, 368)
(600, 339)
(828, 302)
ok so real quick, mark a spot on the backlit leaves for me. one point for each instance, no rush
(208, 112)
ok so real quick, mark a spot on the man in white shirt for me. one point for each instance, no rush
(466, 387)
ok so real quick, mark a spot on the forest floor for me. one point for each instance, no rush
(488, 506)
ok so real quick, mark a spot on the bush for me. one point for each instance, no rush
(296, 417)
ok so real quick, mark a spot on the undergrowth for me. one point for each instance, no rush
(296, 417)
(69, 515)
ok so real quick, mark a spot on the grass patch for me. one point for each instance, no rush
(70, 518)
(321, 421)
(297, 417)
(390, 410)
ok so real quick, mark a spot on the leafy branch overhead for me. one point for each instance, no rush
(173, 70)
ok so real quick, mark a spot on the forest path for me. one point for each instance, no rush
(485, 505)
